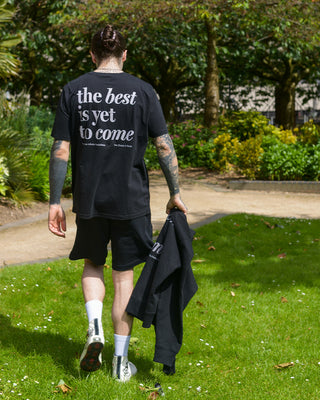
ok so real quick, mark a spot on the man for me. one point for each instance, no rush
(106, 117)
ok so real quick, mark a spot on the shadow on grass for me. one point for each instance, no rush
(263, 274)
(65, 353)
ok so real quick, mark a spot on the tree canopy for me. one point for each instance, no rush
(174, 45)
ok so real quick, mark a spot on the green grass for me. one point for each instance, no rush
(253, 310)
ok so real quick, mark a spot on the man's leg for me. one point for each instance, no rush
(122, 324)
(123, 287)
(93, 292)
(93, 282)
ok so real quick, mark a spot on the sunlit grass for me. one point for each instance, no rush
(257, 307)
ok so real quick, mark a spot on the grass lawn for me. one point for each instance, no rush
(251, 331)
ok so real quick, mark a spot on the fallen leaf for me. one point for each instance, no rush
(211, 248)
(107, 266)
(243, 307)
(51, 312)
(48, 269)
(153, 395)
(268, 224)
(235, 285)
(232, 294)
(203, 326)
(199, 303)
(284, 365)
(64, 387)
(198, 261)
(316, 240)
(283, 300)
(282, 255)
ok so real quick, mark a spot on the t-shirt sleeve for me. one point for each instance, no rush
(61, 126)
(157, 124)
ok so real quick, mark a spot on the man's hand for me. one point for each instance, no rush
(175, 201)
(57, 220)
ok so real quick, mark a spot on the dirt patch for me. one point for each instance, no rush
(10, 212)
(201, 175)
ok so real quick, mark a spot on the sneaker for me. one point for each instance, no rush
(122, 369)
(91, 357)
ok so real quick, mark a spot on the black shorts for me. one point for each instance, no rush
(131, 241)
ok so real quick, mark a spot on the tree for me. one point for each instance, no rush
(49, 56)
(164, 51)
(8, 62)
(174, 61)
(279, 42)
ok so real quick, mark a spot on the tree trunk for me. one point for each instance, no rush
(168, 100)
(211, 111)
(285, 104)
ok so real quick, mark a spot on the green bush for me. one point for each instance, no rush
(4, 172)
(249, 153)
(309, 133)
(243, 125)
(25, 144)
(224, 152)
(193, 144)
(284, 162)
(39, 175)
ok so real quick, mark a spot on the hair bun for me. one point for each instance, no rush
(109, 37)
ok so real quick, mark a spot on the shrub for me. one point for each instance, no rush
(249, 155)
(243, 125)
(192, 142)
(224, 152)
(4, 172)
(25, 144)
(284, 162)
(39, 175)
(309, 133)
(312, 171)
(285, 136)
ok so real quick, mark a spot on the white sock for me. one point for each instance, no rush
(94, 310)
(121, 345)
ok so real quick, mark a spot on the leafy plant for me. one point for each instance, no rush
(224, 153)
(284, 162)
(25, 146)
(309, 133)
(243, 125)
(249, 155)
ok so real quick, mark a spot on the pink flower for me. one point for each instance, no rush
(192, 137)
(184, 144)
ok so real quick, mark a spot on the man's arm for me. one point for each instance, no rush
(169, 165)
(57, 174)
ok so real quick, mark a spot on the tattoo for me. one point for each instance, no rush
(57, 173)
(168, 162)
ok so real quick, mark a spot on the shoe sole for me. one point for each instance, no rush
(90, 361)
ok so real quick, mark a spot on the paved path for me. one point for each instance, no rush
(29, 241)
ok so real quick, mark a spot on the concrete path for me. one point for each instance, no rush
(28, 241)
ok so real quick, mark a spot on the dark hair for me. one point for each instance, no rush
(108, 42)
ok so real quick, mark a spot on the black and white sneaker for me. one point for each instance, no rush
(91, 357)
(122, 369)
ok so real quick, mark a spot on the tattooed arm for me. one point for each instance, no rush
(169, 165)
(57, 173)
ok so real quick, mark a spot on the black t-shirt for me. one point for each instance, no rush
(108, 118)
